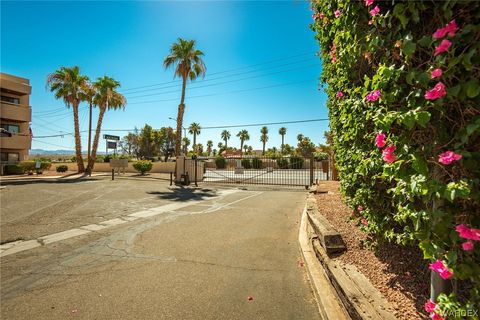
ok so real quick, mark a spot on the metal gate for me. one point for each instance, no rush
(290, 171)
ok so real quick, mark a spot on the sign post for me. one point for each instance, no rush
(111, 143)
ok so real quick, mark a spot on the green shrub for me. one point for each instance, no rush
(282, 163)
(28, 166)
(394, 122)
(143, 166)
(99, 159)
(62, 168)
(246, 164)
(296, 162)
(14, 169)
(220, 162)
(73, 159)
(257, 163)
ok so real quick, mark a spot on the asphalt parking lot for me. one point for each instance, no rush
(140, 249)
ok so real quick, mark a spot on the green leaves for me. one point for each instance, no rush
(412, 117)
(455, 190)
(472, 88)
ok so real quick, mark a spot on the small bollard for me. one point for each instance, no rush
(171, 178)
(113, 174)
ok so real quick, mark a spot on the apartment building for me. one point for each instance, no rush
(15, 117)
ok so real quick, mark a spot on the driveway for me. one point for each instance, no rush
(153, 252)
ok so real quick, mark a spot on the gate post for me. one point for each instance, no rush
(196, 184)
(179, 168)
(311, 169)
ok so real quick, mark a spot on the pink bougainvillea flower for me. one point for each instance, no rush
(436, 73)
(441, 269)
(380, 139)
(375, 11)
(443, 47)
(368, 2)
(339, 94)
(321, 15)
(387, 154)
(468, 233)
(436, 93)
(334, 59)
(364, 222)
(337, 13)
(448, 157)
(370, 22)
(449, 29)
(373, 96)
(360, 208)
(467, 246)
(430, 306)
(436, 316)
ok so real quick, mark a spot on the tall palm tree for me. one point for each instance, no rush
(244, 136)
(88, 93)
(186, 143)
(282, 131)
(300, 137)
(188, 65)
(68, 83)
(225, 136)
(195, 130)
(264, 138)
(209, 147)
(105, 98)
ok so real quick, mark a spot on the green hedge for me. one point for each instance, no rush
(62, 168)
(220, 162)
(256, 163)
(403, 88)
(282, 163)
(246, 164)
(296, 162)
(13, 169)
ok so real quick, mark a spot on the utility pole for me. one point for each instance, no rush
(89, 135)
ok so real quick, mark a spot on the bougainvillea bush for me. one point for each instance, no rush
(403, 82)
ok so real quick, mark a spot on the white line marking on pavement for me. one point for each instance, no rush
(93, 227)
(113, 222)
(62, 235)
(18, 246)
(21, 246)
(233, 202)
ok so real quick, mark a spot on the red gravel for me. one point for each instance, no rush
(400, 273)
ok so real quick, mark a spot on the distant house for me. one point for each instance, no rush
(231, 153)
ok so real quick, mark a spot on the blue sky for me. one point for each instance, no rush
(260, 57)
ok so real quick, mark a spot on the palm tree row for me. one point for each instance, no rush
(195, 129)
(74, 88)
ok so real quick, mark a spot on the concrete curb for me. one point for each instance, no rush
(329, 304)
(357, 296)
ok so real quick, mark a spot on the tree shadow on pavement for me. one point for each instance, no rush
(184, 194)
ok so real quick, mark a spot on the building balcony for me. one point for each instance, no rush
(16, 142)
(15, 112)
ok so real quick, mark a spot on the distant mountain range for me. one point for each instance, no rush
(57, 152)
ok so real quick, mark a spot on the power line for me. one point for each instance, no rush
(227, 92)
(52, 144)
(224, 82)
(215, 127)
(223, 77)
(224, 71)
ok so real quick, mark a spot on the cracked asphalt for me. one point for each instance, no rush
(230, 255)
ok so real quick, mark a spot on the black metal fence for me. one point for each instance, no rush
(261, 170)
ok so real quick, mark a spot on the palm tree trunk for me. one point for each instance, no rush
(194, 143)
(241, 148)
(225, 144)
(181, 110)
(263, 152)
(91, 163)
(282, 143)
(78, 143)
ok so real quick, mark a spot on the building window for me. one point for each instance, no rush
(12, 128)
(10, 157)
(11, 99)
